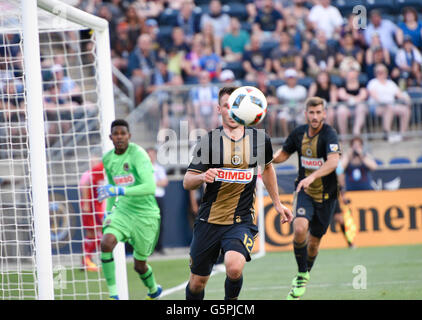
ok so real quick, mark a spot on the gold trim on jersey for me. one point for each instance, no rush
(224, 207)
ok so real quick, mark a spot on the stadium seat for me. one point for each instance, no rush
(237, 10)
(419, 160)
(276, 83)
(305, 81)
(400, 4)
(249, 83)
(363, 79)
(346, 6)
(168, 17)
(400, 160)
(237, 69)
(337, 80)
(379, 162)
(285, 167)
(385, 6)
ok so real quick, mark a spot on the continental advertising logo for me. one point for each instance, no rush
(381, 218)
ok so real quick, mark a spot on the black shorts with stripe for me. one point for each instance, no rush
(319, 214)
(210, 239)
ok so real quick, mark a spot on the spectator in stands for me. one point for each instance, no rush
(409, 61)
(352, 97)
(176, 51)
(149, 9)
(133, 23)
(105, 13)
(187, 20)
(325, 89)
(121, 48)
(357, 33)
(227, 77)
(263, 84)
(235, 41)
(323, 16)
(291, 95)
(190, 65)
(220, 21)
(151, 28)
(377, 54)
(321, 56)
(349, 49)
(383, 95)
(300, 12)
(286, 56)
(209, 38)
(410, 26)
(268, 21)
(210, 62)
(357, 165)
(141, 66)
(204, 99)
(161, 182)
(386, 30)
(68, 89)
(116, 8)
(255, 59)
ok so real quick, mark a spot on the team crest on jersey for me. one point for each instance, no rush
(308, 152)
(235, 175)
(236, 160)
(126, 166)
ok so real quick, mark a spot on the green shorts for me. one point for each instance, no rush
(141, 232)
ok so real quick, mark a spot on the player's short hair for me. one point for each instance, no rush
(119, 122)
(314, 101)
(225, 90)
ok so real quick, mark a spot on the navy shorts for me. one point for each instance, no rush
(319, 214)
(211, 239)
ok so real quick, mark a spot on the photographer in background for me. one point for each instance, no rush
(357, 166)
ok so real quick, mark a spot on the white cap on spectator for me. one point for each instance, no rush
(226, 75)
(290, 73)
(57, 68)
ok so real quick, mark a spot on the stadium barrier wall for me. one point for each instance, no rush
(381, 217)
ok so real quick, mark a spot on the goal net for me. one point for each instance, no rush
(75, 130)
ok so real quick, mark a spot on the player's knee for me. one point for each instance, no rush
(108, 243)
(197, 284)
(140, 267)
(234, 263)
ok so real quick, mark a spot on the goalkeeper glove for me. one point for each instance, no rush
(108, 191)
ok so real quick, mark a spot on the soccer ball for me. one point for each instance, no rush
(247, 105)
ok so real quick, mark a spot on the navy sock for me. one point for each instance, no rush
(301, 254)
(194, 296)
(232, 288)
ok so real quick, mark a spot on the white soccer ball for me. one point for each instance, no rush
(247, 105)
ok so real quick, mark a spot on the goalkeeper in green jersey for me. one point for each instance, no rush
(133, 213)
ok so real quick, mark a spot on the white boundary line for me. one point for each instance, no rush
(218, 269)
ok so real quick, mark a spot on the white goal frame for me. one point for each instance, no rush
(36, 130)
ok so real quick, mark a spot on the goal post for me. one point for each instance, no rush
(56, 108)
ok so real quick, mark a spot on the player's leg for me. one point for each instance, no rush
(204, 251)
(144, 235)
(237, 244)
(303, 215)
(114, 231)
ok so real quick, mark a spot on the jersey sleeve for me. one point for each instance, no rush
(268, 150)
(145, 171)
(289, 145)
(332, 145)
(201, 156)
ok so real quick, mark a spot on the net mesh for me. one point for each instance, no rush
(73, 144)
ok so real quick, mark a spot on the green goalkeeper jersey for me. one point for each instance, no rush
(132, 170)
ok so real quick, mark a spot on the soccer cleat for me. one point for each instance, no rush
(156, 294)
(113, 298)
(298, 286)
(89, 265)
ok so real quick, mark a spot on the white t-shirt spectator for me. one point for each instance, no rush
(385, 92)
(291, 95)
(327, 19)
(402, 57)
(386, 31)
(159, 174)
(220, 24)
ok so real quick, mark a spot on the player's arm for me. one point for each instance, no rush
(143, 167)
(329, 166)
(193, 179)
(269, 178)
(281, 156)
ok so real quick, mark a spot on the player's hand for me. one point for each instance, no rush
(285, 213)
(210, 174)
(108, 191)
(305, 183)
